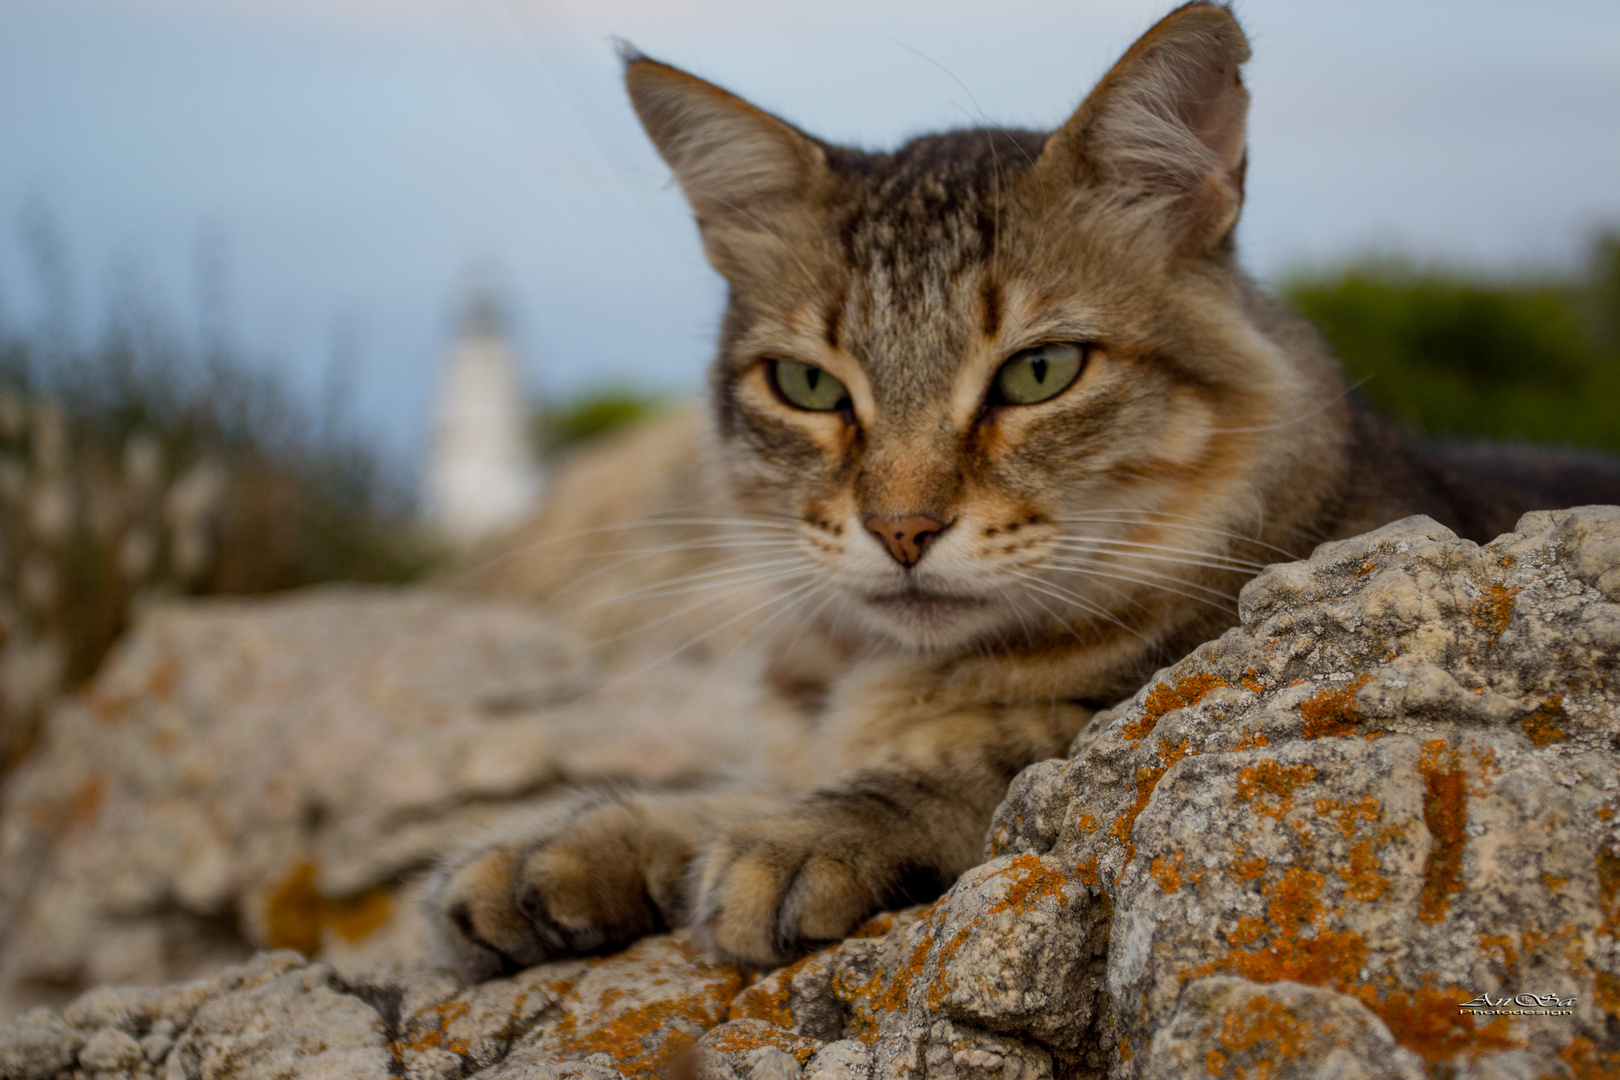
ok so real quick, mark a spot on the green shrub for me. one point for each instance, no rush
(1448, 353)
(590, 417)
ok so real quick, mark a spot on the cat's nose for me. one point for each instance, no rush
(906, 538)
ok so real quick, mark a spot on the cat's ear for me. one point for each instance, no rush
(743, 171)
(1168, 121)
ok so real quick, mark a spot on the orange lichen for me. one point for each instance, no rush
(1605, 814)
(444, 1014)
(1163, 699)
(876, 926)
(1606, 992)
(1494, 609)
(1167, 872)
(1247, 868)
(1502, 946)
(1087, 824)
(893, 996)
(1251, 681)
(1333, 712)
(1251, 740)
(768, 999)
(1542, 726)
(1248, 930)
(739, 1039)
(643, 1039)
(1445, 812)
(1296, 900)
(1427, 1023)
(1215, 1063)
(1587, 1062)
(1554, 883)
(1147, 778)
(1170, 754)
(1608, 871)
(164, 678)
(1362, 881)
(1263, 1022)
(1269, 786)
(1365, 808)
(1086, 871)
(1331, 958)
(297, 912)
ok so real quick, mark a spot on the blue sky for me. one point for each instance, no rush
(359, 160)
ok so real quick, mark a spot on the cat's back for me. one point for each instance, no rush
(1477, 489)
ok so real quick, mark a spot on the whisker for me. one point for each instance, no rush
(1090, 570)
(1144, 551)
(1085, 604)
(1095, 518)
(1324, 407)
(734, 576)
(707, 601)
(576, 534)
(711, 631)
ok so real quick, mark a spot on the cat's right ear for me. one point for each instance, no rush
(744, 171)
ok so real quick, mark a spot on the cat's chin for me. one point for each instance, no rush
(925, 619)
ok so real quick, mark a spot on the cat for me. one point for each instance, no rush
(1010, 399)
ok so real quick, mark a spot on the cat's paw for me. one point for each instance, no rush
(599, 878)
(775, 887)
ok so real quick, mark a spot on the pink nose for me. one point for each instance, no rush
(906, 538)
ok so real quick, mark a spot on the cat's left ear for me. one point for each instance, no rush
(1168, 122)
(744, 171)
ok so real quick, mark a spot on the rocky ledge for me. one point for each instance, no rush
(1297, 852)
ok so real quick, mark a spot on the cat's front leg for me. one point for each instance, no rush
(917, 782)
(607, 869)
(774, 886)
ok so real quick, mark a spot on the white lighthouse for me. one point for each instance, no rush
(482, 475)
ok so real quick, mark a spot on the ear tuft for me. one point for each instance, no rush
(628, 53)
(739, 166)
(1169, 119)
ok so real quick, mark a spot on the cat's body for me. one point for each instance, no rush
(1006, 406)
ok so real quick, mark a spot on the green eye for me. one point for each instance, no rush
(1039, 373)
(808, 387)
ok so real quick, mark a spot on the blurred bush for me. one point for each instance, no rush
(1448, 353)
(562, 427)
(137, 466)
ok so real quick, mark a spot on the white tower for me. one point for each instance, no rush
(482, 476)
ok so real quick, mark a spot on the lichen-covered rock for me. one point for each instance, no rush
(281, 1015)
(1393, 789)
(1284, 1031)
(1370, 833)
(266, 774)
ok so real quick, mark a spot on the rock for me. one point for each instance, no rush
(282, 1015)
(1371, 832)
(1392, 789)
(266, 774)
(1285, 1031)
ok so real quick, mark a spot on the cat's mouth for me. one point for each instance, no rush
(923, 604)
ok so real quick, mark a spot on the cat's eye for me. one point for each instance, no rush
(808, 387)
(1039, 373)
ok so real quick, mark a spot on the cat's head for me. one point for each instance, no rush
(998, 379)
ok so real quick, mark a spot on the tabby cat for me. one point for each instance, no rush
(1011, 397)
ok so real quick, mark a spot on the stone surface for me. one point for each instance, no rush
(273, 773)
(1296, 852)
